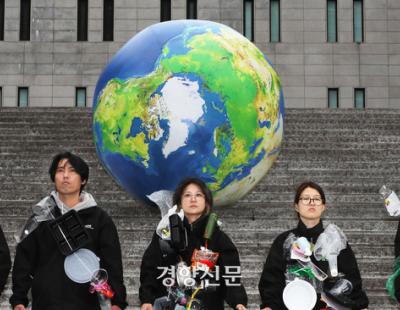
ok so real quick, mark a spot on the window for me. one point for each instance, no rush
(331, 20)
(1, 20)
(80, 97)
(191, 9)
(248, 20)
(165, 13)
(333, 98)
(359, 98)
(108, 20)
(358, 28)
(25, 20)
(23, 97)
(274, 20)
(82, 20)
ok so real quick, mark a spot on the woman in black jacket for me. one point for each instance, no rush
(193, 196)
(309, 203)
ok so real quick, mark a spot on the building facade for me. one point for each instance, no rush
(328, 53)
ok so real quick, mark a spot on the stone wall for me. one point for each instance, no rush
(53, 63)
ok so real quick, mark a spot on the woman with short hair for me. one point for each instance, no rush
(281, 267)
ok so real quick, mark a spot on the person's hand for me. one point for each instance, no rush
(114, 307)
(19, 307)
(146, 307)
(240, 307)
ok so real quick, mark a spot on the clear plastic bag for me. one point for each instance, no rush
(392, 201)
(163, 199)
(341, 287)
(163, 228)
(301, 250)
(328, 246)
(41, 212)
(287, 246)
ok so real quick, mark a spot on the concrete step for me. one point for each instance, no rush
(249, 211)
(281, 172)
(332, 186)
(351, 155)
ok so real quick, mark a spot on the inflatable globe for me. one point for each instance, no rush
(188, 98)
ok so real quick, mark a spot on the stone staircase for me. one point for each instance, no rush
(351, 153)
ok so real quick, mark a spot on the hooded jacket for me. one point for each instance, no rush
(273, 282)
(39, 264)
(154, 260)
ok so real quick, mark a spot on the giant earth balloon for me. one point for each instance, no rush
(188, 98)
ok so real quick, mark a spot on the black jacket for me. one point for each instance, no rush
(39, 265)
(152, 288)
(5, 261)
(272, 282)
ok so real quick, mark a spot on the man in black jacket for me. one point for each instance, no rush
(5, 261)
(39, 262)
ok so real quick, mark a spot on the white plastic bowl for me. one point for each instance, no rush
(299, 295)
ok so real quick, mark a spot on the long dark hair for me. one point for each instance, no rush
(177, 198)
